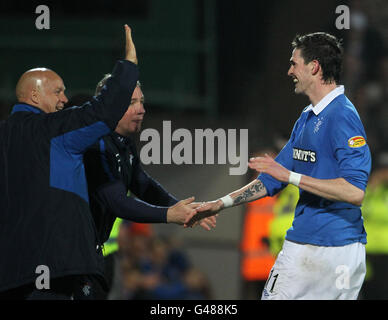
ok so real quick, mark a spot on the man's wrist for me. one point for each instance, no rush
(294, 178)
(227, 201)
(168, 216)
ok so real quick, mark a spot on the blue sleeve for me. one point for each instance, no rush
(114, 196)
(284, 157)
(351, 151)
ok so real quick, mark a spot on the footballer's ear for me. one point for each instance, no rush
(315, 66)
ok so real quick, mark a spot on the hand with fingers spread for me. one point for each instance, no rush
(130, 50)
(268, 165)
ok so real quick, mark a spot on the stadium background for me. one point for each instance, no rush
(204, 64)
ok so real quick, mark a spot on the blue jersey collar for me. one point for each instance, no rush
(25, 107)
(326, 100)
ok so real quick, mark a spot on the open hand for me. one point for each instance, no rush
(130, 50)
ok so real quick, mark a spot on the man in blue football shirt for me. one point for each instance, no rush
(327, 157)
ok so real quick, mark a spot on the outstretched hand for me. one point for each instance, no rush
(130, 50)
(181, 212)
(204, 211)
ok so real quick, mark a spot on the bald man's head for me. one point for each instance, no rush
(42, 88)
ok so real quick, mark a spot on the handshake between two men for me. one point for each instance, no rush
(205, 213)
(189, 213)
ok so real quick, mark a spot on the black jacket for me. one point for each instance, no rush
(112, 169)
(44, 210)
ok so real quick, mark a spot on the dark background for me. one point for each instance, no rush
(216, 60)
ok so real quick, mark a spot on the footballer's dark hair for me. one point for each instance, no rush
(326, 49)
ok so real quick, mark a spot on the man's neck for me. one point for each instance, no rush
(320, 91)
(30, 103)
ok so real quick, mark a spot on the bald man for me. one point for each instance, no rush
(47, 234)
(42, 88)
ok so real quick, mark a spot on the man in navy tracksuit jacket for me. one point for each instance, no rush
(113, 170)
(45, 218)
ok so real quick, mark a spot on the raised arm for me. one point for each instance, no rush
(130, 49)
(80, 127)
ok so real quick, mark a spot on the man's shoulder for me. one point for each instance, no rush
(343, 101)
(343, 107)
(27, 123)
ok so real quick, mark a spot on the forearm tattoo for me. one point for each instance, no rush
(249, 193)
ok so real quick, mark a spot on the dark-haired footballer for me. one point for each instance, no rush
(327, 157)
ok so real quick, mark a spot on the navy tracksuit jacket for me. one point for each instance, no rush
(44, 208)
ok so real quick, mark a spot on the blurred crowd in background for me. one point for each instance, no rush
(151, 267)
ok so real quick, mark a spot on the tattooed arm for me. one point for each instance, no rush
(252, 191)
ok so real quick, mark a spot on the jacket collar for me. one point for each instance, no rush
(121, 141)
(25, 107)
